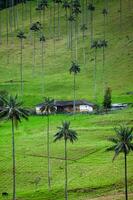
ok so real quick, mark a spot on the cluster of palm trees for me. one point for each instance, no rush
(13, 110)
(74, 22)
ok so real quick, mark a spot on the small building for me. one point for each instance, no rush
(118, 106)
(67, 106)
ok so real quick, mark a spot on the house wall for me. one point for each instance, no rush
(86, 108)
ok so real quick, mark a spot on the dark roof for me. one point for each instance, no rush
(69, 103)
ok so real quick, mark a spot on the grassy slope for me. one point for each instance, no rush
(91, 171)
(118, 67)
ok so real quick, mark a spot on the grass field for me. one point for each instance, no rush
(90, 169)
(91, 172)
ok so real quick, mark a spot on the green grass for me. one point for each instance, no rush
(118, 66)
(90, 169)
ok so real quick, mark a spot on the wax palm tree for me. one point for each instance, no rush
(84, 29)
(66, 6)
(42, 40)
(47, 109)
(21, 37)
(76, 10)
(35, 27)
(23, 2)
(7, 22)
(104, 12)
(14, 112)
(71, 20)
(91, 8)
(120, 11)
(103, 44)
(95, 45)
(68, 135)
(58, 2)
(43, 6)
(123, 143)
(75, 69)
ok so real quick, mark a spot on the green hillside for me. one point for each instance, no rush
(58, 82)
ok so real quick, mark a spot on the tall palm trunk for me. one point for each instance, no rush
(21, 66)
(58, 21)
(34, 55)
(54, 28)
(42, 52)
(48, 154)
(104, 70)
(120, 14)
(84, 53)
(74, 92)
(91, 16)
(95, 76)
(14, 162)
(126, 190)
(7, 30)
(30, 12)
(22, 16)
(76, 42)
(67, 27)
(66, 180)
(50, 20)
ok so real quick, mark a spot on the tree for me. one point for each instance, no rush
(58, 2)
(21, 36)
(35, 27)
(66, 6)
(42, 7)
(67, 134)
(104, 12)
(103, 45)
(42, 40)
(84, 29)
(91, 8)
(107, 99)
(122, 144)
(71, 20)
(75, 69)
(76, 10)
(13, 111)
(47, 109)
(95, 45)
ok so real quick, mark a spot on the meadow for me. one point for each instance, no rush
(91, 172)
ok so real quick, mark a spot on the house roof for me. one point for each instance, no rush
(68, 103)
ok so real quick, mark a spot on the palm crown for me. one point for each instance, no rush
(75, 68)
(91, 7)
(66, 133)
(42, 38)
(36, 27)
(83, 27)
(12, 109)
(104, 11)
(42, 5)
(48, 106)
(66, 4)
(122, 141)
(21, 35)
